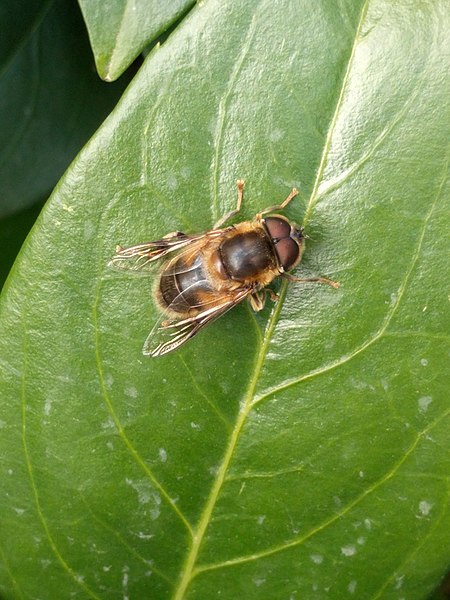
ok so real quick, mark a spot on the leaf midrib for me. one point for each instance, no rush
(188, 571)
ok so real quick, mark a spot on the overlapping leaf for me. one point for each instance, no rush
(120, 29)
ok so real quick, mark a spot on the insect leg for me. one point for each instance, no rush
(174, 234)
(290, 277)
(257, 300)
(231, 213)
(273, 295)
(281, 206)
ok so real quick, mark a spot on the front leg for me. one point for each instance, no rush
(282, 206)
(232, 213)
(258, 299)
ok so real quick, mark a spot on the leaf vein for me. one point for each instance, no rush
(328, 522)
(212, 404)
(413, 553)
(387, 319)
(223, 107)
(323, 161)
(120, 429)
(188, 572)
(65, 565)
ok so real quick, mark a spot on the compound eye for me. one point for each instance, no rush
(288, 252)
(277, 228)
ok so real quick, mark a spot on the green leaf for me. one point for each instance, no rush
(18, 21)
(120, 30)
(51, 100)
(298, 453)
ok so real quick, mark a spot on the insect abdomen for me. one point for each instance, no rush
(182, 287)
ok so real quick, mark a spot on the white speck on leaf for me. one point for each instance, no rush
(125, 582)
(131, 391)
(425, 508)
(172, 182)
(145, 492)
(368, 524)
(155, 512)
(352, 586)
(349, 550)
(195, 426)
(108, 424)
(145, 536)
(162, 455)
(89, 230)
(276, 135)
(423, 362)
(361, 540)
(259, 581)
(47, 406)
(424, 402)
(260, 520)
(185, 172)
(316, 558)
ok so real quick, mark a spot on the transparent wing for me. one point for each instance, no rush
(138, 257)
(169, 334)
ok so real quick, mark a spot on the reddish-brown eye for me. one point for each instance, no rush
(286, 247)
(277, 228)
(288, 252)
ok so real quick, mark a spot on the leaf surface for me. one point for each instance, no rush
(120, 29)
(278, 455)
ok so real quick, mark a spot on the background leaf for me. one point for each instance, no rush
(51, 99)
(51, 102)
(120, 30)
(13, 231)
(302, 452)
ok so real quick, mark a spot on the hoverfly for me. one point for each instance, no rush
(206, 274)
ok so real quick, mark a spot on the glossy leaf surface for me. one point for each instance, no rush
(278, 455)
(121, 29)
